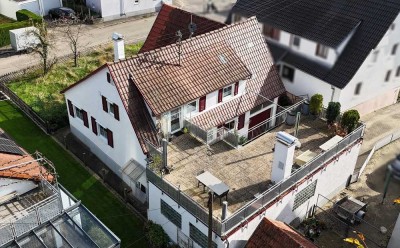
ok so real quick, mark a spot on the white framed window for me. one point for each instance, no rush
(227, 92)
(230, 125)
(295, 41)
(288, 73)
(102, 132)
(110, 108)
(78, 113)
(357, 90)
(321, 51)
(192, 107)
(136, 1)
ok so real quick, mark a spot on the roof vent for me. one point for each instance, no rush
(222, 59)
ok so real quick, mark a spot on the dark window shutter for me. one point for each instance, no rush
(71, 108)
(236, 91)
(94, 125)
(105, 107)
(241, 121)
(220, 95)
(110, 138)
(108, 77)
(202, 103)
(85, 118)
(116, 112)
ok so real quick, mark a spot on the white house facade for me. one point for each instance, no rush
(346, 59)
(97, 117)
(39, 7)
(115, 9)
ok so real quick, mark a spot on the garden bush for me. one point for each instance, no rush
(350, 120)
(332, 112)
(26, 15)
(316, 104)
(6, 27)
(156, 236)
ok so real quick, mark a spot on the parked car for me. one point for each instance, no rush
(62, 12)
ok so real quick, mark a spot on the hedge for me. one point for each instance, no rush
(25, 15)
(6, 27)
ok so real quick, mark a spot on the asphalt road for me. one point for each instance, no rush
(93, 35)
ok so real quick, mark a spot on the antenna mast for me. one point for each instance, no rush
(179, 35)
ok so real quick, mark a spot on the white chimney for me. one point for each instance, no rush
(119, 46)
(283, 156)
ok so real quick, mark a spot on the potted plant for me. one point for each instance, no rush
(316, 104)
(350, 119)
(332, 112)
(242, 140)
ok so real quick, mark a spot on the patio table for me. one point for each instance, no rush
(208, 180)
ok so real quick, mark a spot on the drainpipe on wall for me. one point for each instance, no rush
(333, 92)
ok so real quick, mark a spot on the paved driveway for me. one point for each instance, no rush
(380, 124)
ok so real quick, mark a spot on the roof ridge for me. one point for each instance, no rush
(144, 54)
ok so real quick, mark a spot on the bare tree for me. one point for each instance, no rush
(43, 44)
(73, 32)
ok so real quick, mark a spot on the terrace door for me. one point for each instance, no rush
(255, 130)
(175, 120)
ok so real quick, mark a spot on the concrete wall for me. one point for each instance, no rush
(87, 96)
(8, 8)
(330, 181)
(154, 214)
(39, 7)
(114, 9)
(19, 186)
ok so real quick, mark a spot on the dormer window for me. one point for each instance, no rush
(321, 51)
(227, 92)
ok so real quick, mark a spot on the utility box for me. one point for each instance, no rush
(24, 38)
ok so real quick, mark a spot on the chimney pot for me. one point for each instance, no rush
(119, 46)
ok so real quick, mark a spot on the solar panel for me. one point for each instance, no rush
(9, 146)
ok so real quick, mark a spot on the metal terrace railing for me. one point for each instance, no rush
(278, 189)
(272, 122)
(182, 199)
(254, 206)
(196, 131)
(31, 217)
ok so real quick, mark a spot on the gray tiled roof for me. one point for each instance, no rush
(328, 22)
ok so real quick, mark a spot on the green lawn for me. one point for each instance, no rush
(42, 93)
(74, 177)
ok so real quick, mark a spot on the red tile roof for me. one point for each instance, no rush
(166, 83)
(264, 84)
(171, 19)
(137, 112)
(21, 166)
(276, 234)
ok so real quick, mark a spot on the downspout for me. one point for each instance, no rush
(333, 92)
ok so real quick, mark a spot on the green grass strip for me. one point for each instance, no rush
(76, 179)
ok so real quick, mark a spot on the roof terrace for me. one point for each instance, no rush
(246, 170)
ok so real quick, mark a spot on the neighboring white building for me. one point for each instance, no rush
(39, 7)
(115, 9)
(36, 211)
(346, 51)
